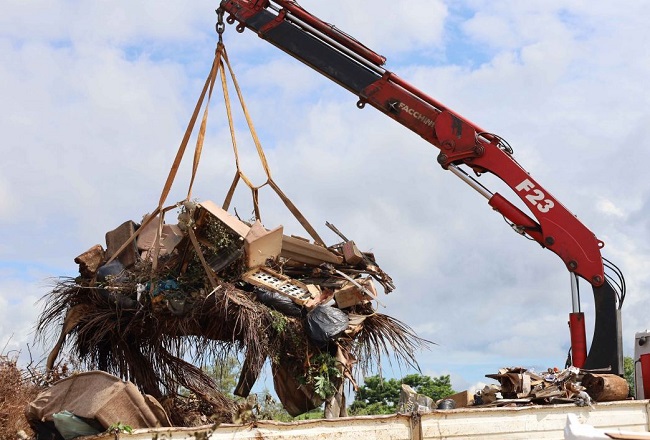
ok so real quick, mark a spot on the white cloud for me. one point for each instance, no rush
(120, 22)
(19, 307)
(609, 207)
(384, 26)
(8, 201)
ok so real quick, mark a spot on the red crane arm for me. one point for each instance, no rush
(355, 67)
(461, 141)
(321, 45)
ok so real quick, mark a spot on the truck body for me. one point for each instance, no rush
(626, 419)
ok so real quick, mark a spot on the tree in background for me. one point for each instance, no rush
(261, 406)
(437, 387)
(628, 371)
(380, 396)
(376, 396)
(225, 372)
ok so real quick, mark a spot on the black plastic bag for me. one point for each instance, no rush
(113, 269)
(278, 302)
(324, 323)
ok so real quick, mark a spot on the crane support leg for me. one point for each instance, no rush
(578, 339)
(606, 346)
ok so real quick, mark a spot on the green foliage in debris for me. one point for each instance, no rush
(119, 427)
(323, 374)
(279, 321)
(380, 396)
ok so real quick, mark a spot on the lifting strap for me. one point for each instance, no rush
(160, 211)
(260, 152)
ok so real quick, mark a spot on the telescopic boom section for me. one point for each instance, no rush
(347, 62)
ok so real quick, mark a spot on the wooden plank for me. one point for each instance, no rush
(300, 250)
(351, 253)
(629, 436)
(350, 294)
(261, 245)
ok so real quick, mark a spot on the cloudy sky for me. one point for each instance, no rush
(97, 96)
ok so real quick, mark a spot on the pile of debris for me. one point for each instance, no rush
(522, 387)
(519, 386)
(212, 285)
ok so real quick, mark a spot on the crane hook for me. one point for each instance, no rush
(220, 24)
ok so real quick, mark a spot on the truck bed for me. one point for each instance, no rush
(531, 422)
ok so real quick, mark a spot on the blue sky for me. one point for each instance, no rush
(97, 96)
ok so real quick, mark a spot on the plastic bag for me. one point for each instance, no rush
(71, 426)
(278, 302)
(324, 323)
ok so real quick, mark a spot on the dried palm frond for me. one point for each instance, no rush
(134, 328)
(384, 335)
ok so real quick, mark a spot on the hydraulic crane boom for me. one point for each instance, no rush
(358, 69)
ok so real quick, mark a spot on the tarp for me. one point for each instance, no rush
(99, 396)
